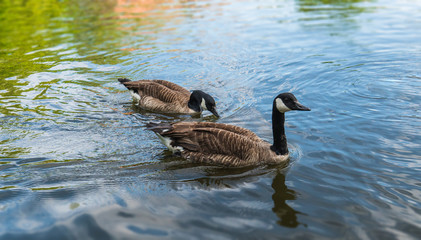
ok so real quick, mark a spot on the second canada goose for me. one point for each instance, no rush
(229, 145)
(164, 96)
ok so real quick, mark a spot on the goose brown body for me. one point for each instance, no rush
(229, 145)
(160, 95)
(218, 143)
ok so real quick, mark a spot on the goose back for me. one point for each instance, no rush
(160, 95)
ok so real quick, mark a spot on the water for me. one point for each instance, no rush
(77, 162)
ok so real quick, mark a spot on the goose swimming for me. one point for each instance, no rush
(229, 145)
(164, 96)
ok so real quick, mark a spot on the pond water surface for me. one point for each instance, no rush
(77, 162)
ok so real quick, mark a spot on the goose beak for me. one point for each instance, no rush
(214, 112)
(298, 106)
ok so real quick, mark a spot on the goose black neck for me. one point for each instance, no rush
(279, 139)
(194, 102)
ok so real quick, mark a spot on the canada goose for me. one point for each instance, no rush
(164, 96)
(224, 144)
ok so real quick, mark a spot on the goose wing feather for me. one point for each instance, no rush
(226, 160)
(217, 143)
(163, 90)
(173, 86)
(183, 126)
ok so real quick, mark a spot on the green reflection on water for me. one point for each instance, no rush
(74, 206)
(333, 9)
(50, 161)
(331, 2)
(7, 187)
(47, 188)
(21, 23)
(33, 32)
(12, 152)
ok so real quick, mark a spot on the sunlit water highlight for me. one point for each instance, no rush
(77, 162)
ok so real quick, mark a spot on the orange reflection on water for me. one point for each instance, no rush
(154, 16)
(132, 8)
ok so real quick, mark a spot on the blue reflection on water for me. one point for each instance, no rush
(77, 162)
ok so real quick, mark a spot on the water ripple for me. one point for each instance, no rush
(77, 161)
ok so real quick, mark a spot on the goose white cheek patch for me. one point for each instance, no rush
(203, 104)
(281, 106)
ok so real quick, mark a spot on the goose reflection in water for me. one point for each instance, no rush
(287, 215)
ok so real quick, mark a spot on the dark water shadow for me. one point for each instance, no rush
(286, 214)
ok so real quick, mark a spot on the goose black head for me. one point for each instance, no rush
(200, 101)
(285, 102)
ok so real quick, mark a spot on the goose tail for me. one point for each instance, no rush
(158, 128)
(124, 80)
